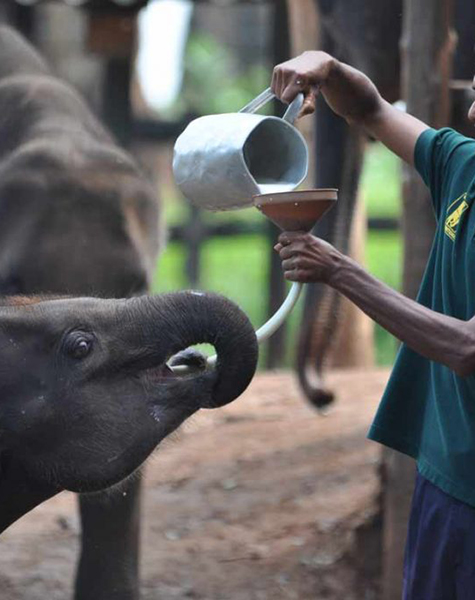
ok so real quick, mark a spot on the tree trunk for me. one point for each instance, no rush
(426, 55)
(354, 346)
(304, 35)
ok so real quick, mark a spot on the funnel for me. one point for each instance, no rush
(296, 211)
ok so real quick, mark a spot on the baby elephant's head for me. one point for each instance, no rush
(86, 392)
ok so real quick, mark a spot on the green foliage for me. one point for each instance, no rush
(212, 83)
(233, 266)
(381, 182)
(384, 261)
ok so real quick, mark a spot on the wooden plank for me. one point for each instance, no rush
(354, 345)
(111, 35)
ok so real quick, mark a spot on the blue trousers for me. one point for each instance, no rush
(440, 549)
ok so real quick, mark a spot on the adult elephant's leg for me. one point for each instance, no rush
(109, 561)
(338, 164)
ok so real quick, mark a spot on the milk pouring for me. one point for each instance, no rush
(221, 161)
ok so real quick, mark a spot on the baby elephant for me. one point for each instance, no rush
(86, 393)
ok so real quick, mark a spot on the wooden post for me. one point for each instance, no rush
(426, 54)
(354, 346)
(276, 344)
(113, 36)
(304, 35)
(195, 234)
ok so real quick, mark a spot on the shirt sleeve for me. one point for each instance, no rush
(438, 157)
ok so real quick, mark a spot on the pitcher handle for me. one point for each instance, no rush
(290, 114)
(258, 102)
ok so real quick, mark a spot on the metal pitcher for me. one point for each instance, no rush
(221, 161)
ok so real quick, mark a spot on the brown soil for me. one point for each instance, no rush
(259, 500)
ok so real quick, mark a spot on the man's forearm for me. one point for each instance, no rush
(354, 97)
(438, 337)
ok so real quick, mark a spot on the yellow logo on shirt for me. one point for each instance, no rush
(453, 219)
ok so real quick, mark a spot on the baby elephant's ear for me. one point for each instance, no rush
(190, 358)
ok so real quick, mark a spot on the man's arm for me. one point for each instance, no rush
(440, 338)
(351, 95)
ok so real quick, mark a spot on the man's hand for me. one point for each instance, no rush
(306, 258)
(351, 95)
(306, 73)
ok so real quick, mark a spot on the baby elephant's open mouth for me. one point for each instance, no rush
(159, 373)
(187, 362)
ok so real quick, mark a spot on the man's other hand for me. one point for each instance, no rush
(306, 258)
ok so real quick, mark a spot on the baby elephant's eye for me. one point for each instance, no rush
(78, 344)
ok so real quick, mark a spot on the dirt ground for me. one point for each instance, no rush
(259, 500)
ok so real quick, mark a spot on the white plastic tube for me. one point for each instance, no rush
(273, 324)
(264, 332)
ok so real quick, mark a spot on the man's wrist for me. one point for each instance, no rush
(335, 68)
(344, 267)
(351, 94)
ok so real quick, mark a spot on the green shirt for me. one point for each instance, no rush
(427, 411)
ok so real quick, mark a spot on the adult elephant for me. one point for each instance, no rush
(367, 35)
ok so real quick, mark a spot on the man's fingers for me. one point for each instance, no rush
(289, 251)
(307, 109)
(290, 91)
(276, 83)
(291, 85)
(297, 275)
(288, 237)
(295, 247)
(284, 83)
(278, 247)
(308, 106)
(273, 81)
(289, 264)
(285, 252)
(290, 275)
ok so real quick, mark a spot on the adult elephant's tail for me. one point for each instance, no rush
(339, 160)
